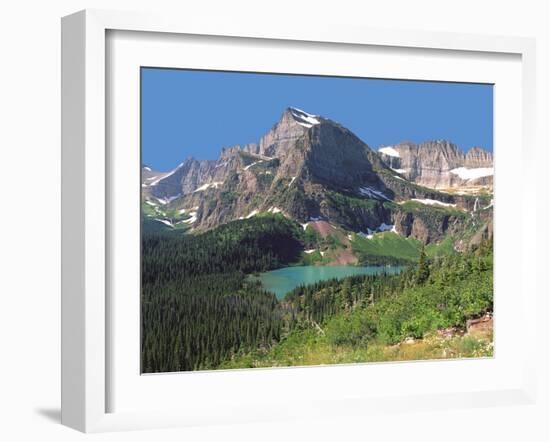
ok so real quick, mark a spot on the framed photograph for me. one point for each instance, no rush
(267, 223)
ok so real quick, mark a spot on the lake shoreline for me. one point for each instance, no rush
(283, 280)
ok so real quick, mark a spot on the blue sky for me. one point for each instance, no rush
(196, 113)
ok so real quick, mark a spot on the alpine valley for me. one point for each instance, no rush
(413, 221)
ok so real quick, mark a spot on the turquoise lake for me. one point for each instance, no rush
(282, 281)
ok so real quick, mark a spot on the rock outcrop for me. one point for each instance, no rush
(478, 157)
(440, 164)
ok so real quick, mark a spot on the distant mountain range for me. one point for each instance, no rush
(315, 171)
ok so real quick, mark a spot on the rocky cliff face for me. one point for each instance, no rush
(311, 168)
(428, 227)
(477, 157)
(281, 138)
(440, 164)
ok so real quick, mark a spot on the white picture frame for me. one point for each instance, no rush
(86, 315)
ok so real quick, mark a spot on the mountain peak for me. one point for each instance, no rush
(303, 118)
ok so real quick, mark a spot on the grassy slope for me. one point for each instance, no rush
(419, 208)
(151, 215)
(393, 246)
(444, 247)
(309, 347)
(387, 244)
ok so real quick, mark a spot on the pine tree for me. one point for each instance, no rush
(423, 270)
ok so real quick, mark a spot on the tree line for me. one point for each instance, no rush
(197, 305)
(434, 294)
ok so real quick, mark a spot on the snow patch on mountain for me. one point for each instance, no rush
(368, 235)
(164, 221)
(389, 151)
(381, 228)
(192, 219)
(215, 185)
(387, 228)
(161, 177)
(469, 174)
(431, 202)
(253, 164)
(303, 118)
(372, 193)
(167, 200)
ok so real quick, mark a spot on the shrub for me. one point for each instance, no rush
(354, 329)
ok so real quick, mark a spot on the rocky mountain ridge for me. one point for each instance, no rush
(312, 169)
(440, 164)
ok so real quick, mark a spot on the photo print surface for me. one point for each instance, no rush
(296, 220)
